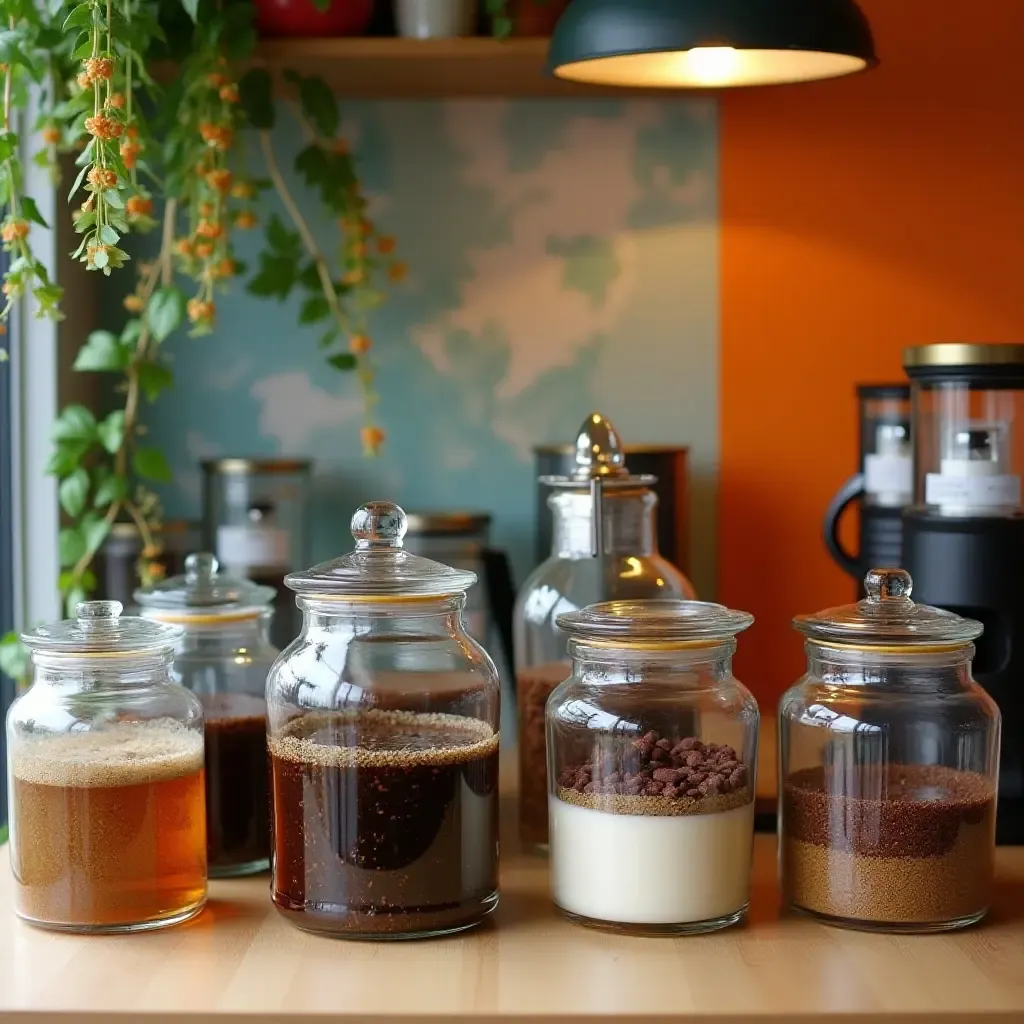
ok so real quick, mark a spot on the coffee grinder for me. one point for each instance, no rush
(883, 486)
(963, 537)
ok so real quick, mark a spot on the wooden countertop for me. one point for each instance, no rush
(240, 962)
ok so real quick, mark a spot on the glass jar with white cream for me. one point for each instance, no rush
(652, 750)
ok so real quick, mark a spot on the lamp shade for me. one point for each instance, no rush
(666, 44)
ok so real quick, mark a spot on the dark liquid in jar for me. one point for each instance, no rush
(237, 783)
(385, 822)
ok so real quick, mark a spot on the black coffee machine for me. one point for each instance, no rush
(963, 538)
(883, 486)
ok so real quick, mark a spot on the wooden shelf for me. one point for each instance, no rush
(389, 68)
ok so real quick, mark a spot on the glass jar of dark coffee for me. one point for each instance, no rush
(384, 746)
(224, 656)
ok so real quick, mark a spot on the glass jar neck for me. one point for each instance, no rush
(688, 668)
(912, 670)
(629, 523)
(435, 616)
(68, 672)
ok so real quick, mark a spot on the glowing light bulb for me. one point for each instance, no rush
(711, 65)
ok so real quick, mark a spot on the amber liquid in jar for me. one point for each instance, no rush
(237, 784)
(108, 828)
(385, 822)
(533, 687)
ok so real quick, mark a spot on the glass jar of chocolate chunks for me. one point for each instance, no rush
(652, 752)
(604, 548)
(384, 746)
(224, 657)
(105, 778)
(888, 756)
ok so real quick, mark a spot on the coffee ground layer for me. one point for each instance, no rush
(892, 890)
(886, 811)
(655, 806)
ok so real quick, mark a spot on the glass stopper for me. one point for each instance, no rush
(202, 565)
(378, 524)
(888, 584)
(98, 614)
(598, 448)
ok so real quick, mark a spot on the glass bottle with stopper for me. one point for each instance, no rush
(604, 548)
(223, 657)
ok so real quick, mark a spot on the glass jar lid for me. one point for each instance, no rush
(887, 617)
(599, 456)
(379, 567)
(100, 628)
(656, 621)
(204, 590)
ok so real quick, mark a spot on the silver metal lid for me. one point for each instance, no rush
(887, 617)
(204, 589)
(100, 628)
(265, 467)
(656, 621)
(378, 567)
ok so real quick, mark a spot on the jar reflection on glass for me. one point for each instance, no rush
(105, 779)
(889, 754)
(652, 753)
(224, 657)
(384, 747)
(619, 561)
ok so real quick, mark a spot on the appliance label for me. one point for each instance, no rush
(244, 546)
(888, 474)
(972, 491)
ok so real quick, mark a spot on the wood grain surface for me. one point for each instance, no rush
(239, 961)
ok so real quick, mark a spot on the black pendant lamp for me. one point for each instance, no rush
(664, 44)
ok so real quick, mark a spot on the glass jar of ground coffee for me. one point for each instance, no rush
(105, 778)
(652, 750)
(889, 754)
(384, 746)
(223, 657)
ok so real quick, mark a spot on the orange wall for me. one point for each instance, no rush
(858, 216)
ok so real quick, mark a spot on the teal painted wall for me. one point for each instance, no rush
(563, 256)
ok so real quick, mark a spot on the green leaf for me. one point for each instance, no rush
(71, 543)
(114, 488)
(328, 339)
(11, 52)
(14, 658)
(314, 309)
(80, 17)
(310, 278)
(31, 212)
(151, 463)
(75, 423)
(154, 378)
(275, 278)
(256, 94)
(84, 50)
(285, 242)
(74, 597)
(317, 101)
(113, 198)
(131, 332)
(111, 431)
(344, 361)
(191, 8)
(100, 259)
(73, 492)
(8, 145)
(65, 458)
(313, 165)
(101, 352)
(94, 531)
(165, 312)
(108, 236)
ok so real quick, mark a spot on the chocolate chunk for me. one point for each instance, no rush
(657, 754)
(669, 791)
(697, 778)
(691, 743)
(693, 792)
(653, 788)
(665, 745)
(669, 775)
(730, 766)
(694, 759)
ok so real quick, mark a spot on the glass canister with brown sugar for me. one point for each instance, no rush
(384, 746)
(888, 753)
(105, 778)
(223, 657)
(604, 548)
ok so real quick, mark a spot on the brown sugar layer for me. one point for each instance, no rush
(655, 806)
(380, 739)
(121, 754)
(892, 890)
(886, 811)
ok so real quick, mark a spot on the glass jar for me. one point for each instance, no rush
(384, 746)
(256, 520)
(889, 754)
(224, 657)
(652, 756)
(105, 778)
(605, 548)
